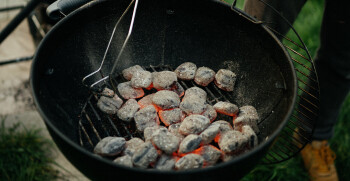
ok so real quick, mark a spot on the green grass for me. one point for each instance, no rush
(25, 155)
(308, 26)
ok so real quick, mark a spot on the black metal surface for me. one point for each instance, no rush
(213, 36)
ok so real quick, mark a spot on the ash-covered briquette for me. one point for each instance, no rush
(129, 72)
(224, 125)
(165, 141)
(124, 160)
(166, 99)
(131, 146)
(146, 117)
(144, 155)
(174, 129)
(141, 79)
(210, 133)
(225, 79)
(128, 92)
(172, 116)
(204, 76)
(128, 110)
(110, 146)
(197, 92)
(148, 132)
(193, 105)
(189, 143)
(210, 154)
(145, 101)
(194, 124)
(247, 116)
(210, 112)
(165, 162)
(164, 80)
(226, 108)
(189, 161)
(109, 105)
(107, 92)
(178, 89)
(231, 141)
(250, 134)
(186, 71)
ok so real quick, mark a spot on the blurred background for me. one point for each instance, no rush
(26, 149)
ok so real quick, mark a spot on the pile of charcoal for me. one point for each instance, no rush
(179, 127)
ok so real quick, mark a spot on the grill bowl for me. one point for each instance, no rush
(166, 32)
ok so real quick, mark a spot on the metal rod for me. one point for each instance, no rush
(16, 60)
(11, 8)
(18, 19)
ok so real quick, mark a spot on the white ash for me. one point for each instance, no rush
(231, 141)
(131, 146)
(189, 143)
(194, 124)
(128, 110)
(224, 125)
(110, 146)
(172, 116)
(165, 99)
(210, 133)
(225, 79)
(210, 154)
(165, 141)
(124, 160)
(146, 101)
(129, 72)
(107, 92)
(146, 117)
(250, 134)
(165, 162)
(247, 116)
(204, 76)
(229, 156)
(193, 105)
(189, 161)
(186, 71)
(178, 89)
(210, 112)
(243, 120)
(141, 79)
(128, 92)
(144, 155)
(109, 105)
(197, 92)
(174, 129)
(226, 108)
(164, 80)
(148, 132)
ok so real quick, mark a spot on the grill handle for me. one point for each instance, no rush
(61, 8)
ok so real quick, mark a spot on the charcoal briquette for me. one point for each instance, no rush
(141, 79)
(189, 161)
(189, 143)
(186, 71)
(110, 146)
(128, 110)
(210, 133)
(172, 116)
(144, 155)
(226, 108)
(109, 105)
(128, 92)
(231, 141)
(225, 79)
(146, 117)
(210, 112)
(131, 146)
(124, 160)
(165, 162)
(194, 124)
(129, 72)
(164, 80)
(204, 76)
(165, 141)
(166, 99)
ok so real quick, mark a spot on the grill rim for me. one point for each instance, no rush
(89, 154)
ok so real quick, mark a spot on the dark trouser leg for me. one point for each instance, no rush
(333, 66)
(333, 57)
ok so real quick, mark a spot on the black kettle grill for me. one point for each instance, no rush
(271, 76)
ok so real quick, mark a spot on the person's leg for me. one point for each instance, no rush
(333, 66)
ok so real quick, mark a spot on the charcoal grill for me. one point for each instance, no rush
(208, 33)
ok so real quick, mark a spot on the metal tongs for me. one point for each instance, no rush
(104, 78)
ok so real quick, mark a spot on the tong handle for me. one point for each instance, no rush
(61, 8)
